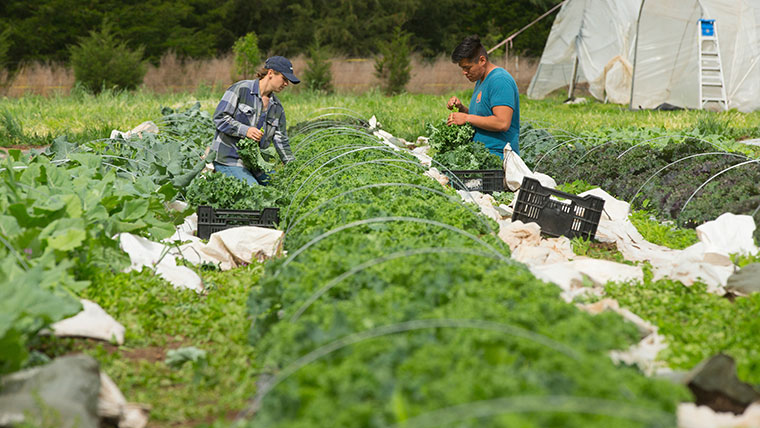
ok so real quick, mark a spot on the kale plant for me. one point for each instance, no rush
(455, 149)
(254, 157)
(225, 192)
(470, 155)
(444, 138)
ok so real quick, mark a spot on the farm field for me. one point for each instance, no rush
(439, 326)
(82, 116)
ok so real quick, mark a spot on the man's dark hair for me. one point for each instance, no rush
(470, 49)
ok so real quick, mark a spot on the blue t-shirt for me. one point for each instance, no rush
(497, 89)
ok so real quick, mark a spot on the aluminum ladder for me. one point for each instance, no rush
(712, 88)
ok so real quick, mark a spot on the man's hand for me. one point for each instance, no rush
(457, 119)
(454, 102)
(254, 134)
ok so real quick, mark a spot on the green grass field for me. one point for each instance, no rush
(35, 120)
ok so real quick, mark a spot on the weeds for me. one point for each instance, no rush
(597, 250)
(167, 329)
(696, 324)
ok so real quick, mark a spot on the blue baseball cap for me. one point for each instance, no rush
(283, 65)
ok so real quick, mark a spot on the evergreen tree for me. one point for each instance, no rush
(318, 75)
(247, 55)
(394, 66)
(102, 61)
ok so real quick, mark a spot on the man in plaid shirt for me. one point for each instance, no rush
(250, 109)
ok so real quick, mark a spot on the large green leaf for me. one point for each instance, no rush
(115, 226)
(31, 174)
(67, 240)
(159, 229)
(49, 205)
(134, 209)
(58, 177)
(28, 302)
(89, 160)
(8, 225)
(61, 148)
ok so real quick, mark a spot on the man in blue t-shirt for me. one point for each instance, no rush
(494, 109)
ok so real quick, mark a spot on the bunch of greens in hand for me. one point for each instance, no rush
(470, 155)
(444, 138)
(453, 147)
(255, 158)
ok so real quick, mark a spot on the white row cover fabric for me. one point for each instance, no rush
(144, 252)
(708, 260)
(515, 170)
(600, 34)
(552, 260)
(691, 415)
(144, 128)
(642, 354)
(227, 249)
(484, 201)
(666, 66)
(112, 406)
(92, 322)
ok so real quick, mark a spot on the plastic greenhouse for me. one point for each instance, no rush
(645, 53)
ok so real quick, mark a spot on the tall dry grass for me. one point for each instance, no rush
(175, 74)
(41, 78)
(350, 75)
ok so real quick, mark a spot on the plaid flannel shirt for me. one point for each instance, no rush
(241, 107)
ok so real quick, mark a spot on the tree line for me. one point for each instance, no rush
(44, 30)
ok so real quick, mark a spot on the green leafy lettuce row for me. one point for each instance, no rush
(478, 326)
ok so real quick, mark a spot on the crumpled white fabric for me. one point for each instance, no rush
(707, 261)
(437, 176)
(92, 322)
(228, 249)
(728, 234)
(515, 170)
(231, 248)
(517, 233)
(585, 276)
(421, 153)
(692, 416)
(389, 140)
(553, 260)
(143, 252)
(113, 406)
(237, 246)
(484, 201)
(604, 271)
(147, 127)
(645, 328)
(694, 264)
(570, 281)
(642, 354)
(529, 247)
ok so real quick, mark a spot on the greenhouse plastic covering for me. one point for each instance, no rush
(600, 33)
(666, 65)
(648, 49)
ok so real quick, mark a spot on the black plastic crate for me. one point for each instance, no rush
(481, 180)
(211, 220)
(579, 216)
